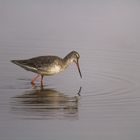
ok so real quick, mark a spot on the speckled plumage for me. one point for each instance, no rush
(48, 65)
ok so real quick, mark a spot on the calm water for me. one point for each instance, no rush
(105, 104)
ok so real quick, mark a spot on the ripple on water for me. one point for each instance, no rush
(111, 82)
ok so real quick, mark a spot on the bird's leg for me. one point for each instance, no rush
(41, 80)
(34, 79)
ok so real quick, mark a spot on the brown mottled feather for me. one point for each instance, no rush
(48, 65)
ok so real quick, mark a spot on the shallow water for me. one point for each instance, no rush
(104, 104)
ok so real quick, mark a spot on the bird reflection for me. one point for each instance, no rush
(46, 104)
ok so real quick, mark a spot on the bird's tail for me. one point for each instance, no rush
(19, 63)
(25, 65)
(15, 62)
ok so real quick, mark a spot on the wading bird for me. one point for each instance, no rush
(48, 65)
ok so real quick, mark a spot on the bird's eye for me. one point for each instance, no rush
(77, 55)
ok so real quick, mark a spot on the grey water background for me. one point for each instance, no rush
(107, 36)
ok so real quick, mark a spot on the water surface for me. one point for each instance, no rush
(104, 104)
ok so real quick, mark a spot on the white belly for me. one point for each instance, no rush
(51, 70)
(54, 69)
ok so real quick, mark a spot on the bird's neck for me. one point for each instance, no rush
(67, 60)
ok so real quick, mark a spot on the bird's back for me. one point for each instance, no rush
(45, 64)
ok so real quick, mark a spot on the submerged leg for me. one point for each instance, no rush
(42, 80)
(34, 79)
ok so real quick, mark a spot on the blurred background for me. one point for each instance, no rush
(104, 104)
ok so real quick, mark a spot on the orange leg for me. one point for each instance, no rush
(34, 79)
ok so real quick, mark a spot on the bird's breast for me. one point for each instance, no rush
(55, 69)
(51, 70)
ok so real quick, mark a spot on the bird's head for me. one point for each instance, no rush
(74, 57)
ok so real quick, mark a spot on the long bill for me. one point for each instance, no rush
(79, 69)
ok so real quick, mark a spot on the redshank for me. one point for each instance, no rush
(48, 65)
